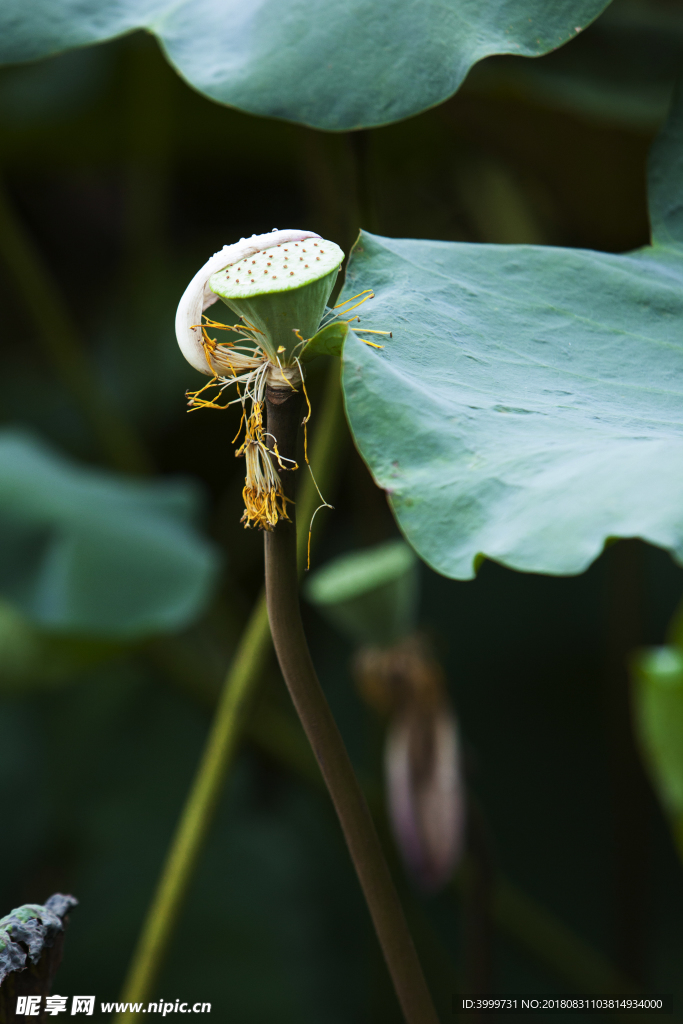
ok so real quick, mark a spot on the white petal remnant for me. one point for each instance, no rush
(197, 297)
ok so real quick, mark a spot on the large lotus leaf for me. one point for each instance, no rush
(92, 553)
(338, 65)
(530, 403)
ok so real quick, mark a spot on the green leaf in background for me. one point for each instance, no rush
(371, 595)
(622, 71)
(35, 658)
(90, 553)
(336, 66)
(658, 712)
(530, 404)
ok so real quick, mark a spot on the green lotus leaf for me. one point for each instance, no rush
(91, 553)
(337, 66)
(530, 403)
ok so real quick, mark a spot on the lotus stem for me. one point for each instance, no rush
(284, 416)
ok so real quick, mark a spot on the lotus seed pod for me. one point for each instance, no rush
(282, 291)
(198, 297)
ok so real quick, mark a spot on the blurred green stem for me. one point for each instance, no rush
(631, 798)
(555, 945)
(195, 821)
(149, 124)
(61, 341)
(284, 416)
(238, 691)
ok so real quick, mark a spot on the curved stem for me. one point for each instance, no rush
(284, 414)
(62, 343)
(236, 698)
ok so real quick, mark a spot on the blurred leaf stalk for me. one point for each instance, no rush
(657, 702)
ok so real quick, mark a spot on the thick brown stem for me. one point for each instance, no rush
(284, 415)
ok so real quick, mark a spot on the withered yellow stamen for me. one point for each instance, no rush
(264, 500)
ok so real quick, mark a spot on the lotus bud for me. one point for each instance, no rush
(422, 757)
(278, 284)
(426, 805)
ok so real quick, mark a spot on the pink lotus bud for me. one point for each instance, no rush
(422, 755)
(426, 802)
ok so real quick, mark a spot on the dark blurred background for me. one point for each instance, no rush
(124, 180)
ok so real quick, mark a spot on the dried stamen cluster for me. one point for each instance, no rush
(245, 365)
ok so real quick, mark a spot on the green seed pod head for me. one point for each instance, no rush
(281, 290)
(279, 282)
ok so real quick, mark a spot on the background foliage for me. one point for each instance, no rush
(380, 63)
(125, 179)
